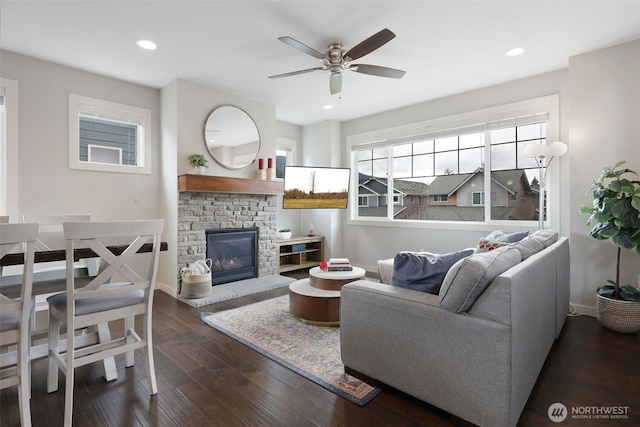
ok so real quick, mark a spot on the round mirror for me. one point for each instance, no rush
(231, 136)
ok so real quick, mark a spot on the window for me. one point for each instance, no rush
(107, 136)
(285, 155)
(443, 168)
(440, 198)
(363, 201)
(478, 198)
(9, 147)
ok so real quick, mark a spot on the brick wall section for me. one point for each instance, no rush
(198, 212)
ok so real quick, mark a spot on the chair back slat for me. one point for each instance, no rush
(20, 237)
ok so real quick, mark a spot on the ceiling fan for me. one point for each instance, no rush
(336, 59)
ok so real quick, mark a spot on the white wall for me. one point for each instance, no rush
(46, 184)
(604, 88)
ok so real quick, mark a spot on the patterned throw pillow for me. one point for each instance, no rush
(486, 245)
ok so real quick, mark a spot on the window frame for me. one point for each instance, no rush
(9, 145)
(80, 105)
(379, 139)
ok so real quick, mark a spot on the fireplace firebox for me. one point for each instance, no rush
(233, 252)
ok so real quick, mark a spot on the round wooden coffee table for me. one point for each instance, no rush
(316, 300)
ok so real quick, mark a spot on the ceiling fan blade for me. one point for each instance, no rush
(335, 83)
(369, 45)
(376, 70)
(295, 73)
(301, 47)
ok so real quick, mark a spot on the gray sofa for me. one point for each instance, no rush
(477, 362)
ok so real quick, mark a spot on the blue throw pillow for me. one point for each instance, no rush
(500, 236)
(422, 272)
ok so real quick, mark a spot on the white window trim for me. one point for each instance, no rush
(86, 105)
(9, 192)
(549, 104)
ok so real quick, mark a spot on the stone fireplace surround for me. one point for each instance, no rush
(201, 210)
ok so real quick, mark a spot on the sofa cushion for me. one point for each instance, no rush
(501, 236)
(469, 277)
(546, 236)
(528, 247)
(424, 273)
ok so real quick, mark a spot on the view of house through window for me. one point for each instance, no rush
(454, 174)
(108, 136)
(108, 141)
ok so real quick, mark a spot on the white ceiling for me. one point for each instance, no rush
(446, 47)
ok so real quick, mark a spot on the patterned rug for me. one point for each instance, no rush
(312, 351)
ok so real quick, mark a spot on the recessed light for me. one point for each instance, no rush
(327, 107)
(146, 44)
(515, 51)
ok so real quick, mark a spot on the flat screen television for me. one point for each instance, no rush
(307, 187)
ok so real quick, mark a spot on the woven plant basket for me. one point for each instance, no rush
(617, 315)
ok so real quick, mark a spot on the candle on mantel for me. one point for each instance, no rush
(260, 163)
(269, 168)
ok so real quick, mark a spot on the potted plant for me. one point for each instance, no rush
(284, 233)
(198, 161)
(615, 213)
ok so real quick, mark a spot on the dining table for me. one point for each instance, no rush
(49, 280)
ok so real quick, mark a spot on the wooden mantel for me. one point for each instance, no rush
(224, 184)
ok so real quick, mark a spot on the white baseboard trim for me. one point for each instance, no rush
(167, 289)
(583, 310)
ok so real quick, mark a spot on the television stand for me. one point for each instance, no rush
(299, 252)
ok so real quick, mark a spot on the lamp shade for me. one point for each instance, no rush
(531, 149)
(557, 148)
(544, 151)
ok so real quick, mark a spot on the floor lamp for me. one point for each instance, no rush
(542, 152)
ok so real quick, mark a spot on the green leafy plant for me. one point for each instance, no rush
(616, 214)
(197, 160)
(284, 230)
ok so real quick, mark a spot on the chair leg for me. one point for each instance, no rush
(24, 387)
(151, 370)
(128, 327)
(54, 344)
(110, 371)
(69, 380)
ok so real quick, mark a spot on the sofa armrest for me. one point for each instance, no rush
(385, 270)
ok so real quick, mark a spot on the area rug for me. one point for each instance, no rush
(312, 351)
(239, 288)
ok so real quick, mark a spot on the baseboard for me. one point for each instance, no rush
(582, 310)
(167, 289)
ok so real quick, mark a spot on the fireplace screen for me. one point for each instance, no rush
(233, 252)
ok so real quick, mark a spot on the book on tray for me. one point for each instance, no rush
(339, 264)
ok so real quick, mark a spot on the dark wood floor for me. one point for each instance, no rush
(207, 379)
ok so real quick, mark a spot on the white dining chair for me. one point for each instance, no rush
(121, 290)
(15, 315)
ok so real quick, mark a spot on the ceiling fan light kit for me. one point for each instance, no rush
(336, 59)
